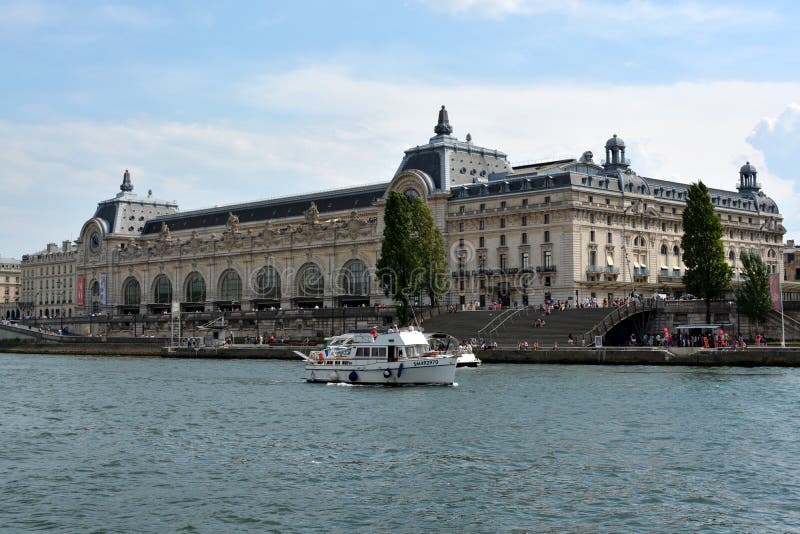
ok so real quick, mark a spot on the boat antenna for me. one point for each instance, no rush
(414, 315)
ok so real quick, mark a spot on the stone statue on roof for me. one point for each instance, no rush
(233, 223)
(126, 186)
(443, 124)
(312, 214)
(165, 233)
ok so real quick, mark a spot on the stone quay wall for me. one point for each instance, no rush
(751, 357)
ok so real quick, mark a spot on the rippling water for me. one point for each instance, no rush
(150, 445)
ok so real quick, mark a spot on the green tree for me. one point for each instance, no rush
(707, 273)
(413, 258)
(752, 296)
(428, 240)
(399, 259)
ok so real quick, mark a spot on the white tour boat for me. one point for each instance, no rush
(387, 357)
(447, 343)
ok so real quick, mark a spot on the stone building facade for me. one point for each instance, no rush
(10, 283)
(48, 287)
(564, 230)
(791, 262)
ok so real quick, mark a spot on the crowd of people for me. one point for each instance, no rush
(709, 340)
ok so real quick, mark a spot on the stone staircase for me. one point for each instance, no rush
(508, 327)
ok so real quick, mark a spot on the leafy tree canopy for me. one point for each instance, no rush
(413, 258)
(752, 296)
(707, 273)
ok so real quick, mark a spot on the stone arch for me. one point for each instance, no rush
(229, 288)
(266, 286)
(131, 295)
(412, 179)
(309, 285)
(194, 292)
(162, 290)
(354, 283)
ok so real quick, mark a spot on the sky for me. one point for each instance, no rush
(212, 103)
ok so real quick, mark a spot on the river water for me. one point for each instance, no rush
(99, 444)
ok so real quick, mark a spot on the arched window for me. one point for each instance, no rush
(162, 290)
(95, 290)
(731, 256)
(676, 251)
(355, 279)
(195, 288)
(131, 292)
(663, 250)
(268, 283)
(309, 281)
(230, 286)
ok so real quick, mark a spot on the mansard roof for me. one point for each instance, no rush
(127, 211)
(511, 184)
(548, 175)
(353, 198)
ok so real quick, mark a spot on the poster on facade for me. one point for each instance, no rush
(775, 291)
(81, 285)
(103, 278)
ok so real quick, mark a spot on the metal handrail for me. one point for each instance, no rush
(515, 311)
(501, 315)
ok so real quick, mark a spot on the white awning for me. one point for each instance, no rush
(609, 259)
(665, 267)
(635, 264)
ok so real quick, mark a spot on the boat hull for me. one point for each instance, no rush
(423, 371)
(467, 360)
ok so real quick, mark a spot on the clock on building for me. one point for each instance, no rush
(94, 242)
(411, 194)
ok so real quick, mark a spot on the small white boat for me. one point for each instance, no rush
(468, 359)
(447, 343)
(385, 357)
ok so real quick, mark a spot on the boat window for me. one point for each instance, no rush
(363, 352)
(379, 352)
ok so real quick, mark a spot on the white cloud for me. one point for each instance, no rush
(58, 172)
(777, 137)
(323, 128)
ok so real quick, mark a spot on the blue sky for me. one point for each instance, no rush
(212, 103)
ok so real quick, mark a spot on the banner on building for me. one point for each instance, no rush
(775, 291)
(81, 292)
(103, 281)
